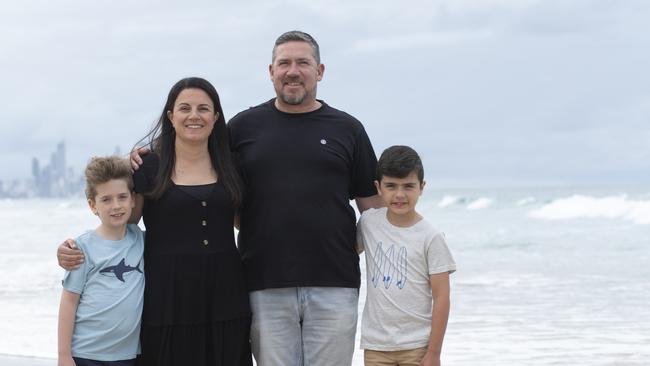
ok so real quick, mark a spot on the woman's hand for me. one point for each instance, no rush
(69, 256)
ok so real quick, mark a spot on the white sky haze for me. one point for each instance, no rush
(489, 92)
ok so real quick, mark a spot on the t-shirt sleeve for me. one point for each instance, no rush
(75, 280)
(439, 259)
(364, 167)
(231, 127)
(143, 178)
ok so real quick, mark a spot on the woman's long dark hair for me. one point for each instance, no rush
(161, 139)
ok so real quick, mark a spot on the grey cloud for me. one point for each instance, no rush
(489, 91)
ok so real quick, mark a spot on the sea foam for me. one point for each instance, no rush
(480, 203)
(526, 201)
(447, 201)
(580, 206)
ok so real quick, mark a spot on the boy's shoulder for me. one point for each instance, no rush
(371, 216)
(428, 227)
(135, 229)
(84, 240)
(433, 237)
(88, 244)
(373, 212)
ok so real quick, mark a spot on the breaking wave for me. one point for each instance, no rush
(580, 206)
(480, 203)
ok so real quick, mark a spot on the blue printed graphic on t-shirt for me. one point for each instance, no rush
(120, 269)
(389, 266)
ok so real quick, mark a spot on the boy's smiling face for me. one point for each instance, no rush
(400, 195)
(113, 203)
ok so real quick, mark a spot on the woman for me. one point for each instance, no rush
(196, 309)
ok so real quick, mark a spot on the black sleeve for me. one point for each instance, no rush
(364, 167)
(143, 178)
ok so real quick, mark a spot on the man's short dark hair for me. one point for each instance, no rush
(298, 36)
(399, 161)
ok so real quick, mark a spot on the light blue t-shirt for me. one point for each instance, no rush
(111, 285)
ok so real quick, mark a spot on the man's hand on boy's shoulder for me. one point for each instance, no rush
(69, 256)
(364, 203)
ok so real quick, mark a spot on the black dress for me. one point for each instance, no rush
(196, 309)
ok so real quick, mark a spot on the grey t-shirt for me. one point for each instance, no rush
(399, 261)
(111, 285)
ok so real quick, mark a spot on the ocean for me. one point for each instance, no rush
(546, 276)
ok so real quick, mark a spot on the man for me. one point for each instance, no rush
(301, 162)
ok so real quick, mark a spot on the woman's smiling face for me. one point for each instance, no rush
(193, 116)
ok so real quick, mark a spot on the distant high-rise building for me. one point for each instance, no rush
(36, 171)
(46, 182)
(55, 179)
(57, 162)
(38, 177)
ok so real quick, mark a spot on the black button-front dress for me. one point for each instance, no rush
(196, 309)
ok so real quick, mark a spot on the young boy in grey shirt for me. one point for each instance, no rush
(407, 268)
(101, 304)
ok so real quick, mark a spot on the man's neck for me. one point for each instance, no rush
(304, 107)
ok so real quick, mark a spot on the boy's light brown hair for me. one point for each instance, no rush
(103, 169)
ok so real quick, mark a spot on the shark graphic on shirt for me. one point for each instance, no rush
(120, 269)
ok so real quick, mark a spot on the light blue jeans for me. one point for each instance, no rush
(304, 326)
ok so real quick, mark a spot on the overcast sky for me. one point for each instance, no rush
(520, 92)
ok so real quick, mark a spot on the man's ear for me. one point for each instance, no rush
(377, 185)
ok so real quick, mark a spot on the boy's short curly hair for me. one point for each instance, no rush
(103, 169)
(399, 161)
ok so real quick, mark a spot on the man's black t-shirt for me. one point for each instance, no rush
(300, 171)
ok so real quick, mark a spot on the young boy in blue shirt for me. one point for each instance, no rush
(101, 303)
(407, 269)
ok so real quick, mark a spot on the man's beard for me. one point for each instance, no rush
(293, 99)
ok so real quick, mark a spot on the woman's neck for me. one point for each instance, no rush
(191, 151)
(193, 165)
